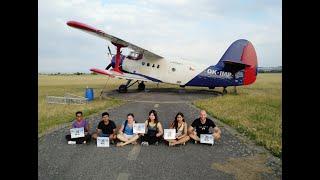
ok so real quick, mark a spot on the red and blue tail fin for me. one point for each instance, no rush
(240, 55)
(237, 66)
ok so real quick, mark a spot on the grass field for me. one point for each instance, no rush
(255, 111)
(51, 115)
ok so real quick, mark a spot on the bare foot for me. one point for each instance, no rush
(120, 144)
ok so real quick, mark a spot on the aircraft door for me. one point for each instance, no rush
(175, 73)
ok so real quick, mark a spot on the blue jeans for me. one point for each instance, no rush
(104, 135)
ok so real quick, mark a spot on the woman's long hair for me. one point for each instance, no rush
(175, 122)
(155, 115)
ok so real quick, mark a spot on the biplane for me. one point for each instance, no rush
(237, 66)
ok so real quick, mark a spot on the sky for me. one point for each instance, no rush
(197, 31)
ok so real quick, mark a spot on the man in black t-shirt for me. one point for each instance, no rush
(106, 128)
(201, 126)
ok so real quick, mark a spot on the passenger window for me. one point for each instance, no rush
(153, 65)
(143, 63)
(148, 64)
(158, 66)
(173, 69)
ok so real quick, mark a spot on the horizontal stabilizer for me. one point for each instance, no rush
(236, 63)
(234, 66)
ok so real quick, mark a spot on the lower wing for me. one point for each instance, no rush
(122, 75)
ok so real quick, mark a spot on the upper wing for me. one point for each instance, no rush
(122, 75)
(99, 33)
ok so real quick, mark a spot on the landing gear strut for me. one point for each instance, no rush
(224, 90)
(123, 88)
(234, 80)
(235, 90)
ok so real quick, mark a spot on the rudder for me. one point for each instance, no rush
(241, 52)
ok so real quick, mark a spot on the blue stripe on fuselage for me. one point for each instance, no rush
(150, 78)
(215, 77)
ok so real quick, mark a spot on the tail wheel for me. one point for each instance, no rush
(123, 88)
(141, 87)
(224, 90)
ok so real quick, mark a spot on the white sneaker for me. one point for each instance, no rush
(71, 142)
(144, 143)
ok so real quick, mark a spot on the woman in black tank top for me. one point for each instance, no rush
(154, 130)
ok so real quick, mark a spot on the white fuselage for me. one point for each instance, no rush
(166, 70)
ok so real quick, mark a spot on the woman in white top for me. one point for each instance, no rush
(181, 130)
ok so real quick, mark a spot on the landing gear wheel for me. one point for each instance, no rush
(123, 88)
(235, 90)
(141, 87)
(225, 90)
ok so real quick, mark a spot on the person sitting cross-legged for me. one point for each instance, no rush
(125, 134)
(154, 130)
(80, 122)
(201, 126)
(106, 128)
(181, 127)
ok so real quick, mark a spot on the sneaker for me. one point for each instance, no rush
(71, 142)
(156, 143)
(144, 143)
(84, 142)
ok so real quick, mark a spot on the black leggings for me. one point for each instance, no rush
(150, 139)
(79, 140)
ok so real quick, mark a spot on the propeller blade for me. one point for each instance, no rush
(109, 51)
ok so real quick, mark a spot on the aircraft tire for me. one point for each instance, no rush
(123, 88)
(141, 87)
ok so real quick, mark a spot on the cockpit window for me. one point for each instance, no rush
(134, 55)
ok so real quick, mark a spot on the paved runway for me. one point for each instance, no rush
(234, 157)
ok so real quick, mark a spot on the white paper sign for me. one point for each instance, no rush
(77, 132)
(139, 128)
(169, 134)
(206, 138)
(103, 142)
